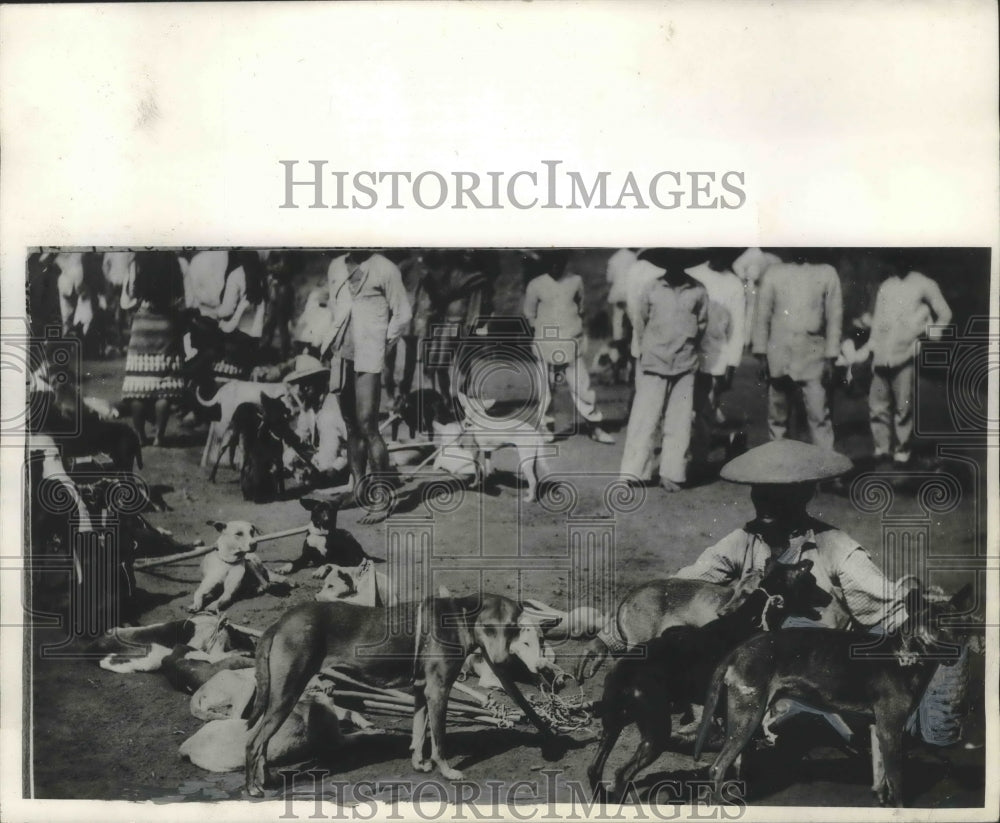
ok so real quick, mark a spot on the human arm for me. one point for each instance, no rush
(400, 312)
(531, 300)
(938, 306)
(870, 597)
(720, 563)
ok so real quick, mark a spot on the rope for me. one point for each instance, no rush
(564, 715)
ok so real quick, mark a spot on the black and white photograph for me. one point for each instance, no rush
(642, 525)
(480, 410)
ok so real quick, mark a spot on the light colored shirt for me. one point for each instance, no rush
(370, 310)
(204, 280)
(637, 279)
(722, 344)
(862, 595)
(903, 309)
(116, 265)
(554, 308)
(618, 265)
(751, 265)
(671, 322)
(235, 312)
(799, 315)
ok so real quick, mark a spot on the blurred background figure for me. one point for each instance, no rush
(153, 379)
(906, 305)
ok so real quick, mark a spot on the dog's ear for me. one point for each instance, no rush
(915, 602)
(254, 531)
(804, 565)
(219, 525)
(309, 503)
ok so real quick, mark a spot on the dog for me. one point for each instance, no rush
(647, 610)
(418, 410)
(829, 669)
(240, 435)
(678, 665)
(226, 400)
(144, 648)
(484, 434)
(262, 475)
(227, 566)
(325, 544)
(448, 630)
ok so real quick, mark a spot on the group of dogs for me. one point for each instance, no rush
(687, 643)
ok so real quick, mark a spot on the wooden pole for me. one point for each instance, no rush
(140, 565)
(198, 552)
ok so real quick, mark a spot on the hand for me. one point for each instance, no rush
(763, 373)
(727, 379)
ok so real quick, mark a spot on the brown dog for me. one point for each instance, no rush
(448, 630)
(831, 670)
(649, 609)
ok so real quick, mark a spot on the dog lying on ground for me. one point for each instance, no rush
(188, 669)
(678, 665)
(829, 669)
(650, 608)
(227, 567)
(325, 544)
(449, 629)
(485, 434)
(144, 648)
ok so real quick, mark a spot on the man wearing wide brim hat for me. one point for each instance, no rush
(318, 422)
(783, 476)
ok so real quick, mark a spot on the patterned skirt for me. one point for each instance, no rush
(154, 359)
(239, 356)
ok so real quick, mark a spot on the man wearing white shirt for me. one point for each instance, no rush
(750, 267)
(721, 347)
(617, 273)
(370, 311)
(904, 307)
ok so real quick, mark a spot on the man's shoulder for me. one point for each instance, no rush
(830, 538)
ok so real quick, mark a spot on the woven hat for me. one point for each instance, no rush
(785, 461)
(306, 366)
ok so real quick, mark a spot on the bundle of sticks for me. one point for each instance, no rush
(470, 707)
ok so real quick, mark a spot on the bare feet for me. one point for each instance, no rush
(669, 486)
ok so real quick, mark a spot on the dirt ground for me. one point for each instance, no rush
(96, 734)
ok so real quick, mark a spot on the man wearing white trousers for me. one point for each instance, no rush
(904, 307)
(671, 318)
(796, 339)
(553, 306)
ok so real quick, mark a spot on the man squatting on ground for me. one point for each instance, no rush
(782, 476)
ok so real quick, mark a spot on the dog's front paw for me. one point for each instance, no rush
(193, 609)
(286, 568)
(530, 497)
(421, 765)
(322, 572)
(450, 773)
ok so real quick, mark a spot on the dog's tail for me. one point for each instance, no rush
(262, 693)
(213, 401)
(715, 687)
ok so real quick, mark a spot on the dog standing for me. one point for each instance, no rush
(227, 566)
(678, 665)
(226, 400)
(829, 669)
(652, 607)
(308, 637)
(485, 434)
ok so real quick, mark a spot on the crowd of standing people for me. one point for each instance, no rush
(391, 321)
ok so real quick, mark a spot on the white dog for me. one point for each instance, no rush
(229, 396)
(485, 434)
(226, 567)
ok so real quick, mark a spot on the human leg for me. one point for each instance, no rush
(677, 430)
(816, 402)
(647, 411)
